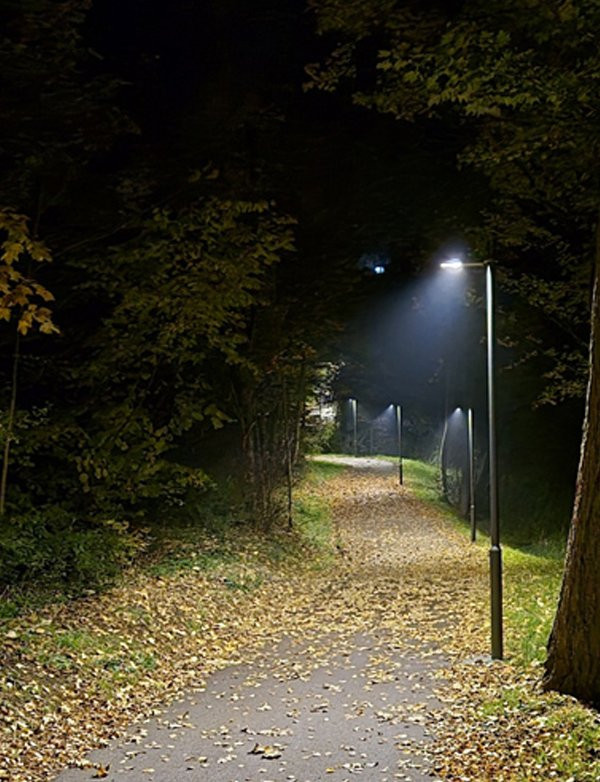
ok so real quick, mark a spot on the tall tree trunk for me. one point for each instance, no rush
(573, 662)
(288, 441)
(10, 425)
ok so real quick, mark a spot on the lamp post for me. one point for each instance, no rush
(456, 264)
(353, 408)
(471, 458)
(399, 435)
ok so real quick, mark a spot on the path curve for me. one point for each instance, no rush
(350, 685)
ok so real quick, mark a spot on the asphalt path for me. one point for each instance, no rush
(334, 722)
(328, 708)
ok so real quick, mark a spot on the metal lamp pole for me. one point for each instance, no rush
(399, 434)
(471, 459)
(495, 550)
(353, 407)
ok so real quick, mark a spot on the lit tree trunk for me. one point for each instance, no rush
(573, 663)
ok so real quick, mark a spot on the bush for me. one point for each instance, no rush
(322, 437)
(52, 547)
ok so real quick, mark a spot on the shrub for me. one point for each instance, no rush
(53, 547)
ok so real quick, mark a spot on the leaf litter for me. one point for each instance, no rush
(76, 675)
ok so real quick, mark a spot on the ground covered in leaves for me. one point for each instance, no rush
(76, 674)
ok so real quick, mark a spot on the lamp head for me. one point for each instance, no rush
(452, 264)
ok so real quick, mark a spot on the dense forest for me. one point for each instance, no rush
(190, 202)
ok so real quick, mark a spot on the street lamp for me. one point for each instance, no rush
(455, 264)
(399, 435)
(353, 408)
(471, 459)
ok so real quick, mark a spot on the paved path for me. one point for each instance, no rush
(334, 722)
(333, 707)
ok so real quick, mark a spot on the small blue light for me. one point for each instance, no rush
(379, 269)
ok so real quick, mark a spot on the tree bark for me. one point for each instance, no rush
(573, 662)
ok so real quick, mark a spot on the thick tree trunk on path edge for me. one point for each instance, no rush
(573, 662)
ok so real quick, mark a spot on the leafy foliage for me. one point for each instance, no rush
(19, 293)
(155, 295)
(523, 83)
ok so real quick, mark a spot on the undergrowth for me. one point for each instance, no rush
(207, 537)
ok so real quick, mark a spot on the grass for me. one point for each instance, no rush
(532, 574)
(531, 588)
(238, 559)
(317, 472)
(140, 635)
(422, 479)
(211, 540)
(120, 658)
(312, 514)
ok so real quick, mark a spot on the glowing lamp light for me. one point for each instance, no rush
(379, 269)
(454, 264)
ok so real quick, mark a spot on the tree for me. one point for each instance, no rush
(573, 663)
(517, 81)
(155, 277)
(28, 298)
(524, 81)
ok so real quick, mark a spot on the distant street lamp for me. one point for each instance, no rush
(354, 409)
(399, 435)
(455, 264)
(471, 458)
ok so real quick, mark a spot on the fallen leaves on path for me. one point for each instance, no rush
(75, 675)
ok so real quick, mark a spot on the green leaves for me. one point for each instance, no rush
(181, 292)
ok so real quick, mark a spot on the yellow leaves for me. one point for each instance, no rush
(19, 241)
(42, 292)
(34, 314)
(49, 328)
(11, 251)
(39, 252)
(19, 293)
(267, 752)
(25, 322)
